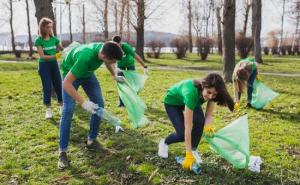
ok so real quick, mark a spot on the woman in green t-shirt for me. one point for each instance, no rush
(244, 74)
(128, 59)
(183, 105)
(47, 46)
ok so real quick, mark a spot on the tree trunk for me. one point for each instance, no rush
(248, 5)
(44, 9)
(122, 18)
(228, 39)
(12, 28)
(70, 22)
(219, 30)
(105, 19)
(83, 23)
(116, 17)
(140, 28)
(256, 29)
(190, 26)
(281, 29)
(128, 20)
(29, 30)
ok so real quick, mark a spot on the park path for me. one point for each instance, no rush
(170, 68)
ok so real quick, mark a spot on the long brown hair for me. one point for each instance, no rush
(214, 80)
(42, 24)
(242, 75)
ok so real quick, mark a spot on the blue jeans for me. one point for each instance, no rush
(129, 68)
(49, 73)
(176, 116)
(92, 88)
(250, 85)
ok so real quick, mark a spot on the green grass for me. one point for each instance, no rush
(29, 143)
(284, 64)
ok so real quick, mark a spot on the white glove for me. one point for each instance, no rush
(120, 79)
(89, 106)
(146, 70)
(118, 129)
(118, 70)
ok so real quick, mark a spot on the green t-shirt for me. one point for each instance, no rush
(184, 93)
(248, 63)
(48, 46)
(128, 56)
(82, 61)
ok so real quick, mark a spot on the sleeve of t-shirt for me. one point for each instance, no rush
(127, 49)
(56, 40)
(188, 98)
(37, 42)
(80, 67)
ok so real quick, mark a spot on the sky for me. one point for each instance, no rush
(169, 17)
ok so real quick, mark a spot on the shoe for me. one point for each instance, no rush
(49, 113)
(63, 161)
(197, 156)
(162, 149)
(249, 105)
(95, 146)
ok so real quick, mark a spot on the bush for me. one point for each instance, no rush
(274, 50)
(204, 45)
(243, 44)
(155, 48)
(266, 50)
(181, 45)
(65, 43)
(289, 50)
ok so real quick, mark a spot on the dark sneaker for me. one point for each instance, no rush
(63, 161)
(249, 105)
(95, 146)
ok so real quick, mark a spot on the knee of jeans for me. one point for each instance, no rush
(180, 136)
(69, 108)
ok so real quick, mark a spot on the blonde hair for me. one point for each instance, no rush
(44, 22)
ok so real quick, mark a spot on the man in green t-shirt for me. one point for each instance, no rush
(78, 68)
(127, 61)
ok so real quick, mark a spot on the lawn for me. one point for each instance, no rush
(29, 143)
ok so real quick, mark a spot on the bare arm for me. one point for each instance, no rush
(60, 47)
(188, 125)
(140, 60)
(111, 68)
(42, 55)
(235, 92)
(68, 86)
(209, 112)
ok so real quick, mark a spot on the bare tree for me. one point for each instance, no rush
(70, 21)
(128, 20)
(83, 24)
(116, 16)
(219, 28)
(122, 13)
(190, 26)
(256, 29)
(44, 9)
(13, 44)
(247, 4)
(29, 30)
(281, 28)
(228, 39)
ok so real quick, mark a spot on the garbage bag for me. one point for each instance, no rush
(261, 95)
(232, 142)
(135, 80)
(134, 104)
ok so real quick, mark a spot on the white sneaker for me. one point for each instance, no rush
(48, 114)
(162, 149)
(197, 156)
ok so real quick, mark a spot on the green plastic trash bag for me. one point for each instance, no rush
(74, 44)
(134, 104)
(261, 95)
(135, 80)
(232, 142)
(108, 117)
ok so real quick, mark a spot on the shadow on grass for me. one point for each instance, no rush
(292, 117)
